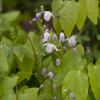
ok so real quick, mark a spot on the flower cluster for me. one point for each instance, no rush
(48, 39)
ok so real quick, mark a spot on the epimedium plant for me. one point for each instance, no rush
(51, 65)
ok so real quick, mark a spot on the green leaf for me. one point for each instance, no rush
(70, 61)
(10, 16)
(76, 81)
(27, 64)
(19, 52)
(22, 76)
(56, 6)
(3, 62)
(38, 45)
(29, 94)
(10, 58)
(94, 73)
(82, 13)
(9, 95)
(92, 10)
(88, 98)
(9, 83)
(68, 16)
(47, 96)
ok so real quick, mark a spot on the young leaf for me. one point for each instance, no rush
(19, 52)
(3, 62)
(68, 16)
(76, 81)
(29, 94)
(56, 6)
(82, 12)
(9, 95)
(9, 83)
(92, 10)
(94, 73)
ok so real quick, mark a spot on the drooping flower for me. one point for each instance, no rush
(50, 75)
(62, 37)
(38, 15)
(46, 37)
(72, 41)
(50, 47)
(48, 15)
(58, 62)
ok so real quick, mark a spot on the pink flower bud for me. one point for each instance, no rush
(74, 50)
(50, 75)
(42, 8)
(34, 20)
(54, 86)
(54, 37)
(44, 27)
(44, 71)
(72, 95)
(41, 87)
(58, 15)
(62, 37)
(55, 98)
(38, 15)
(58, 62)
(59, 47)
(64, 48)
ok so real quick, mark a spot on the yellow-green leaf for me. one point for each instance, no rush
(3, 62)
(92, 10)
(68, 16)
(82, 13)
(76, 81)
(10, 16)
(94, 76)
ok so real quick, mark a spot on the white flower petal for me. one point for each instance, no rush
(46, 44)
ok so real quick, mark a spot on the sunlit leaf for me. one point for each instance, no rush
(76, 81)
(82, 13)
(19, 52)
(3, 62)
(94, 73)
(9, 95)
(68, 16)
(29, 94)
(92, 10)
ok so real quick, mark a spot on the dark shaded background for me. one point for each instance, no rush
(28, 10)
